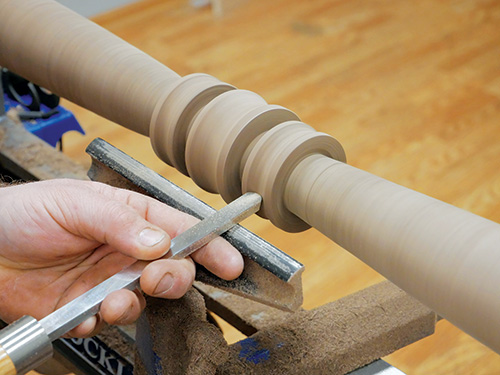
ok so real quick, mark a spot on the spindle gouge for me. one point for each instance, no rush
(27, 343)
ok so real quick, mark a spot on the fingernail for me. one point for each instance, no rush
(150, 237)
(165, 284)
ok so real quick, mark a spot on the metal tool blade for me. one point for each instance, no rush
(88, 304)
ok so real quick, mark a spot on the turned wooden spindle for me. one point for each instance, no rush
(444, 256)
(232, 141)
(79, 60)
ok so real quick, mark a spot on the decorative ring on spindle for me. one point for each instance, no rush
(232, 153)
(221, 134)
(273, 158)
(173, 117)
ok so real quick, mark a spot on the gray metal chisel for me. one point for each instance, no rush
(26, 343)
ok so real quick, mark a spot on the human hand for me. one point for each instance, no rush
(60, 238)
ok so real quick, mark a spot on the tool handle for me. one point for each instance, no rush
(6, 365)
(23, 346)
(81, 61)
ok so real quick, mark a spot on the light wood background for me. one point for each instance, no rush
(411, 90)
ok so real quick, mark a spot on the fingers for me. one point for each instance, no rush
(219, 257)
(122, 223)
(131, 223)
(164, 278)
(140, 226)
(90, 327)
(167, 278)
(121, 307)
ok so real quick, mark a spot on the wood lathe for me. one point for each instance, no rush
(231, 141)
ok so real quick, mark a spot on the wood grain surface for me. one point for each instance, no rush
(410, 89)
(6, 365)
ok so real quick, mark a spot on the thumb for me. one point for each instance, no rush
(124, 228)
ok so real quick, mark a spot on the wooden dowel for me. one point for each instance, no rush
(444, 256)
(66, 53)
